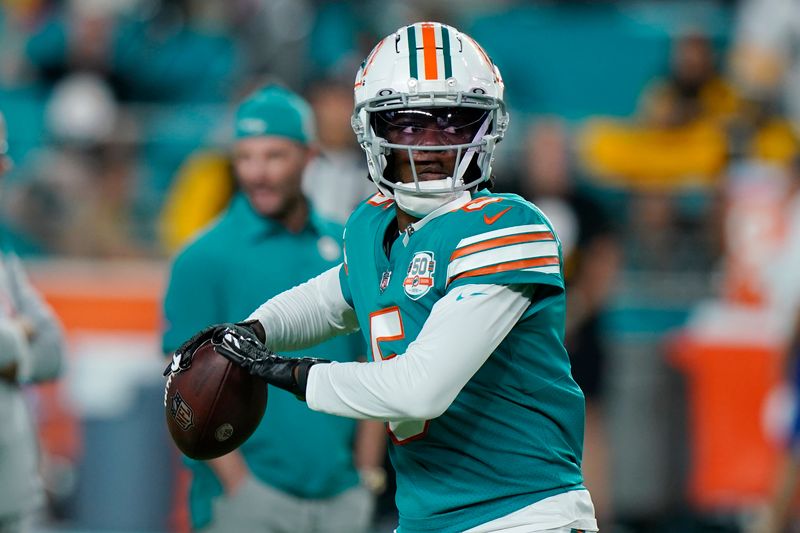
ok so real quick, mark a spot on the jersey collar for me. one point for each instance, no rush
(253, 226)
(452, 205)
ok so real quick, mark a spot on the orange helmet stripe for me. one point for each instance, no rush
(429, 52)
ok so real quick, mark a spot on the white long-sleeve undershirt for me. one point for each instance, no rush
(307, 314)
(462, 331)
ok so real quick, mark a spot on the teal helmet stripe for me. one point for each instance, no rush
(412, 51)
(448, 65)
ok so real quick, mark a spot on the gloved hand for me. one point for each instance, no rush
(245, 350)
(182, 358)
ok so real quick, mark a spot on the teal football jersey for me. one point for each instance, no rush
(514, 434)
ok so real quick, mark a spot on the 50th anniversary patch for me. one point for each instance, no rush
(419, 277)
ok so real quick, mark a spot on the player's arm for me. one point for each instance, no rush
(462, 331)
(307, 314)
(31, 343)
(369, 452)
(301, 317)
(13, 347)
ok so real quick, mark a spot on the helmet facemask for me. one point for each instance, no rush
(464, 126)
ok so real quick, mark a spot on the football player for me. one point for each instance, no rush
(459, 293)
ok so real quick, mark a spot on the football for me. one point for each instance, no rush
(213, 406)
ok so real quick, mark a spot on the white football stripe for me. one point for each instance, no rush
(552, 269)
(513, 230)
(527, 250)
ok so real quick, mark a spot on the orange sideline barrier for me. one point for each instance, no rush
(732, 462)
(103, 296)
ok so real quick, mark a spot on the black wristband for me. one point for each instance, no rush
(303, 367)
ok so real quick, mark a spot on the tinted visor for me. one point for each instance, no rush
(440, 125)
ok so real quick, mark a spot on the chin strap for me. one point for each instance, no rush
(420, 204)
(464, 163)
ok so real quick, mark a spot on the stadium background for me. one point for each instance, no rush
(113, 106)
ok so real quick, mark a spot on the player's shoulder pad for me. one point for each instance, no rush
(371, 207)
(502, 238)
(490, 212)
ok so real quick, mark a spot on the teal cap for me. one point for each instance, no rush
(275, 110)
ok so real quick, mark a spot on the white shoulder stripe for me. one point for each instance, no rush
(552, 269)
(493, 256)
(513, 230)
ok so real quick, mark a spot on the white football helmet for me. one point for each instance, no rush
(436, 72)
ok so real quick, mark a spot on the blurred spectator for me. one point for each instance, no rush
(82, 110)
(78, 35)
(300, 470)
(176, 52)
(273, 36)
(591, 261)
(337, 180)
(765, 59)
(17, 20)
(678, 139)
(694, 87)
(76, 196)
(166, 50)
(766, 67)
(670, 159)
(30, 352)
(758, 132)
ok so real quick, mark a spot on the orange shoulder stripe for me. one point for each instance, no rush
(505, 267)
(502, 241)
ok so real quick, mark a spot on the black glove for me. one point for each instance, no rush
(243, 349)
(182, 358)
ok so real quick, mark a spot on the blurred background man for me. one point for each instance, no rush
(300, 470)
(31, 351)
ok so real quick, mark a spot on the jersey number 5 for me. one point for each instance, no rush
(387, 325)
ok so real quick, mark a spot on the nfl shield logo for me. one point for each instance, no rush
(385, 280)
(181, 412)
(419, 277)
